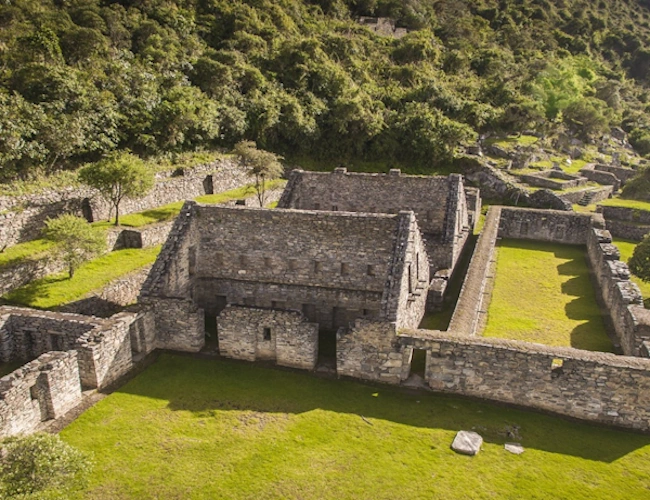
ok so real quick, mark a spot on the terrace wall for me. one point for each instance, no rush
(545, 225)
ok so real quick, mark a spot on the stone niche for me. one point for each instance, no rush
(285, 337)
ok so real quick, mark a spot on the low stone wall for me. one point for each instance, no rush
(551, 179)
(618, 293)
(601, 177)
(15, 276)
(621, 173)
(466, 317)
(593, 386)
(626, 214)
(22, 217)
(546, 225)
(45, 389)
(626, 223)
(112, 298)
(595, 194)
(179, 324)
(627, 230)
(103, 345)
(285, 337)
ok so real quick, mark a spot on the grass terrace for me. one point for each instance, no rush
(58, 289)
(200, 429)
(542, 293)
(30, 250)
(624, 203)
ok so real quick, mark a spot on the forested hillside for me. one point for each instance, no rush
(79, 78)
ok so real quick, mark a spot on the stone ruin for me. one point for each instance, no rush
(341, 273)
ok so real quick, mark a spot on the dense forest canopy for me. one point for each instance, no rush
(81, 78)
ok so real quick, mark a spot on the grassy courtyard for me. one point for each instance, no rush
(542, 293)
(191, 428)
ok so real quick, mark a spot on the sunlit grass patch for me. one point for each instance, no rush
(58, 289)
(543, 293)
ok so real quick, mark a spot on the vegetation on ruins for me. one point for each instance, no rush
(542, 293)
(263, 166)
(118, 176)
(57, 289)
(269, 433)
(80, 79)
(640, 261)
(41, 466)
(627, 249)
(75, 241)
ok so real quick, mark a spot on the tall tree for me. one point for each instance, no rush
(261, 165)
(75, 240)
(118, 176)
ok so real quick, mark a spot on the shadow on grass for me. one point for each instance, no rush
(26, 295)
(208, 387)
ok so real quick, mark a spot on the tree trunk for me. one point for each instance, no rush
(71, 270)
(117, 214)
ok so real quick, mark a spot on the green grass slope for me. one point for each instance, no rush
(205, 429)
(542, 293)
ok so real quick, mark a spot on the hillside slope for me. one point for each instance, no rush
(79, 78)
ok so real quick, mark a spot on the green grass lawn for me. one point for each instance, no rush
(621, 202)
(542, 293)
(216, 429)
(627, 249)
(21, 252)
(59, 289)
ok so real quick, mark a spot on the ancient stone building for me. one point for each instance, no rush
(446, 211)
(329, 268)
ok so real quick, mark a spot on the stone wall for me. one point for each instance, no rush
(552, 179)
(22, 218)
(472, 301)
(103, 345)
(285, 337)
(17, 275)
(44, 389)
(601, 177)
(621, 173)
(439, 203)
(591, 195)
(621, 296)
(112, 298)
(627, 223)
(369, 351)
(545, 225)
(593, 386)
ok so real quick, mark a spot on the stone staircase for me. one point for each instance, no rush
(586, 199)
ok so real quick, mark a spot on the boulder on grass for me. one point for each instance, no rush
(467, 443)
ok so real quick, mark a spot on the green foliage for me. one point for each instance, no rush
(75, 241)
(41, 466)
(79, 80)
(640, 261)
(261, 165)
(638, 188)
(117, 177)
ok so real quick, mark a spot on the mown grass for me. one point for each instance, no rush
(58, 289)
(35, 249)
(542, 293)
(626, 248)
(622, 202)
(168, 212)
(202, 429)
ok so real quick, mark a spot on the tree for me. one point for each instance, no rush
(40, 464)
(75, 240)
(640, 261)
(119, 176)
(262, 165)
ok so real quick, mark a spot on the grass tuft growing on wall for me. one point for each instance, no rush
(543, 293)
(194, 428)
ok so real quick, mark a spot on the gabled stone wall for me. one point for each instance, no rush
(546, 225)
(285, 337)
(439, 203)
